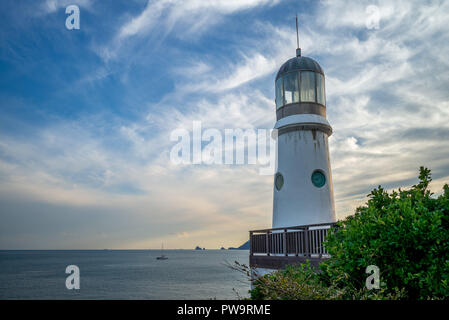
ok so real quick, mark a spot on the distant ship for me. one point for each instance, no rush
(162, 256)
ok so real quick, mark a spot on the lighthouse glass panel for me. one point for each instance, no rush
(279, 93)
(307, 86)
(291, 88)
(318, 178)
(321, 97)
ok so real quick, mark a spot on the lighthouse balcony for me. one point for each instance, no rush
(275, 248)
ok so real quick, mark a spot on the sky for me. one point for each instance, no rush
(86, 115)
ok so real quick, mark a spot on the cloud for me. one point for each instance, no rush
(381, 94)
(50, 6)
(252, 68)
(195, 14)
(147, 19)
(189, 18)
(68, 166)
(387, 101)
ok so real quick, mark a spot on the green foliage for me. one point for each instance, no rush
(404, 233)
(303, 283)
(292, 283)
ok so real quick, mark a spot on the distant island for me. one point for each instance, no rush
(244, 246)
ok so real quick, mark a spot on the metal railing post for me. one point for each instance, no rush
(297, 242)
(285, 242)
(268, 242)
(306, 242)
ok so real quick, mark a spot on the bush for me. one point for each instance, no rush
(303, 283)
(404, 233)
(292, 283)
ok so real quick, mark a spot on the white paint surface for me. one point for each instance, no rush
(300, 153)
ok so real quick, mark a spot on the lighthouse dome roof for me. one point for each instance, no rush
(299, 64)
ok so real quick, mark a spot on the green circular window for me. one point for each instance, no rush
(279, 181)
(318, 178)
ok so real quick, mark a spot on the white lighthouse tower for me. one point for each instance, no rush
(303, 192)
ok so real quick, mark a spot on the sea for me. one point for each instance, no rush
(123, 274)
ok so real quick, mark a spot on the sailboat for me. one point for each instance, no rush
(162, 256)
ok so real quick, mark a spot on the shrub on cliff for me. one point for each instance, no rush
(404, 233)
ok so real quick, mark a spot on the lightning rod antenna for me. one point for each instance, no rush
(297, 33)
(298, 50)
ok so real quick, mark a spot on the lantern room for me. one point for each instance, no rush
(300, 88)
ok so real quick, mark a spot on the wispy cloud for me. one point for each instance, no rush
(189, 18)
(387, 101)
(194, 14)
(50, 6)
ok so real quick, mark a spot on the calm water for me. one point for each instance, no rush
(122, 274)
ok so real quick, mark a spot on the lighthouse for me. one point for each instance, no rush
(303, 192)
(303, 197)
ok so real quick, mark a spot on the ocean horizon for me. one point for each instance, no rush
(123, 274)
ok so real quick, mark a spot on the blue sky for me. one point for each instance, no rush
(86, 114)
